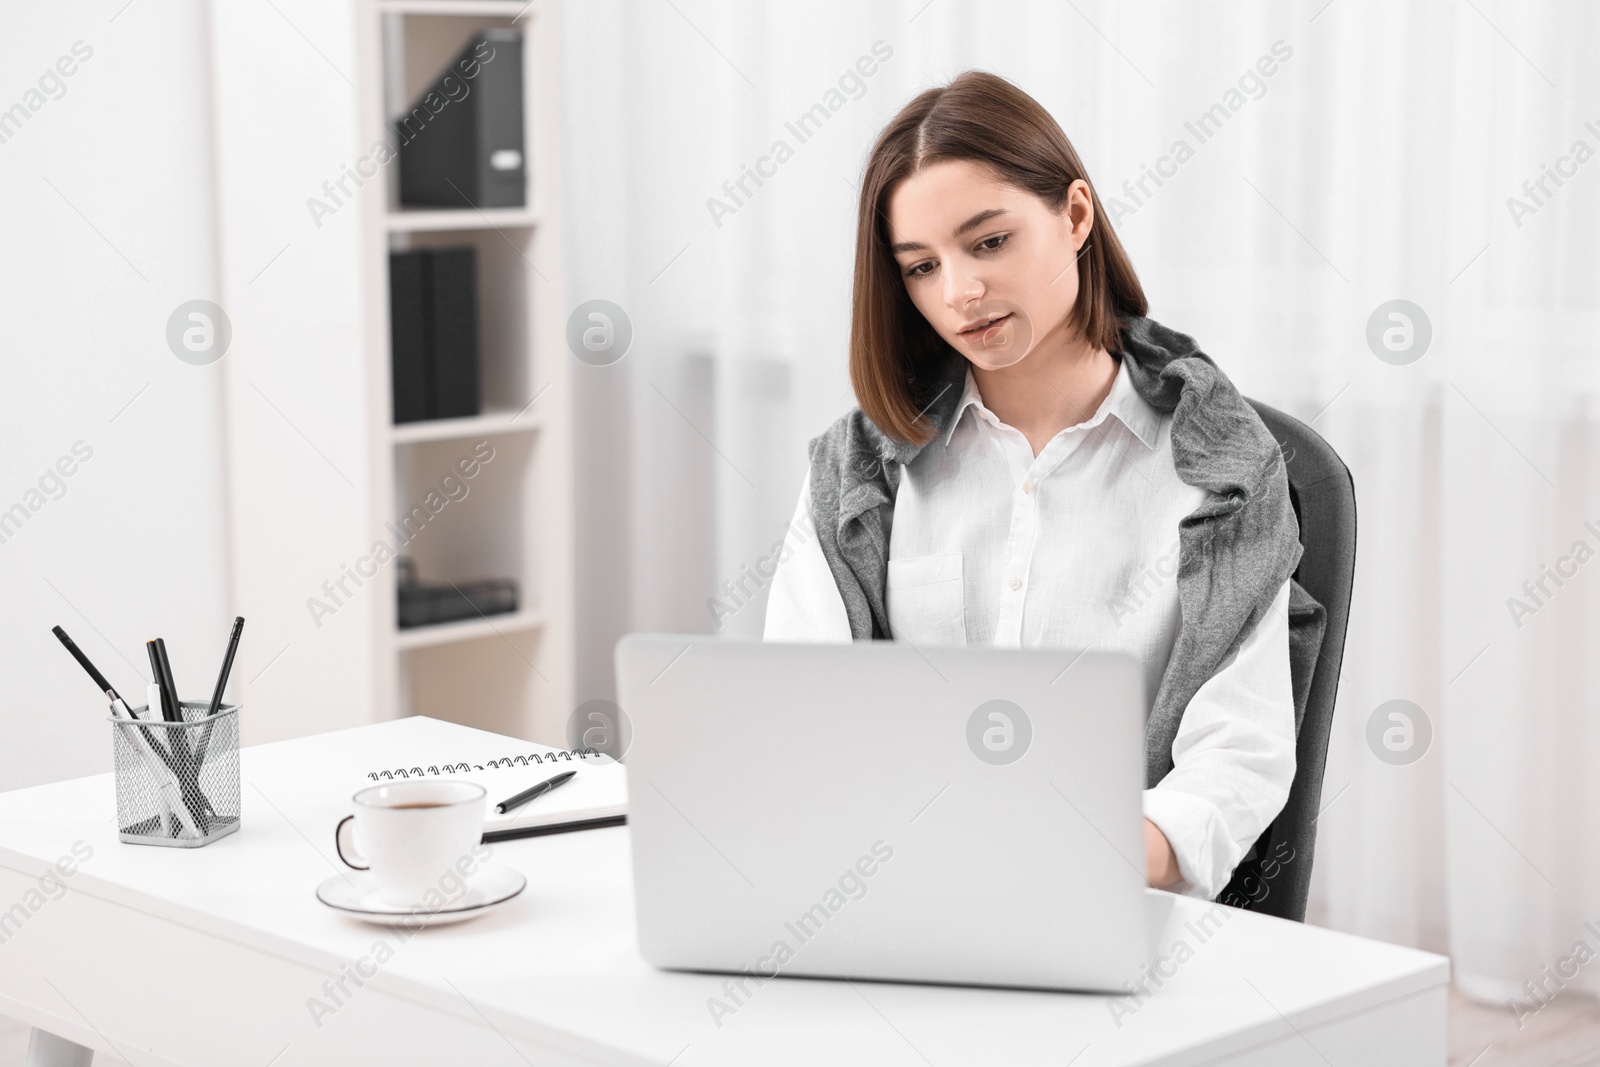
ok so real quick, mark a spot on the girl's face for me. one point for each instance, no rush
(989, 265)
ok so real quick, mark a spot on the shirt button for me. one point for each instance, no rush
(1027, 487)
(1015, 584)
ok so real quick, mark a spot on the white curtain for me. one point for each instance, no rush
(1376, 162)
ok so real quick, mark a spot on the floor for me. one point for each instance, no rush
(1565, 1034)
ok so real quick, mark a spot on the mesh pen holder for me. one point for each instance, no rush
(177, 782)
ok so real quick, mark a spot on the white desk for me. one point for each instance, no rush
(166, 956)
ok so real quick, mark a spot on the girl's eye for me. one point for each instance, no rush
(995, 243)
(919, 269)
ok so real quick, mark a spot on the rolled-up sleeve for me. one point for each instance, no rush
(1233, 759)
(804, 603)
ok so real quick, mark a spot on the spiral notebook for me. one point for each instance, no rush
(596, 796)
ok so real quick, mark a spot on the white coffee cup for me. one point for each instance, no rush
(411, 835)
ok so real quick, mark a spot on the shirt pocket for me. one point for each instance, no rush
(927, 602)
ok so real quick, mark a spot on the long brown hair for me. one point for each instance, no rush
(983, 118)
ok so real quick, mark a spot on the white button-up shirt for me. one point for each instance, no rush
(1076, 547)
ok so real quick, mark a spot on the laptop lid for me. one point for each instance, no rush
(883, 811)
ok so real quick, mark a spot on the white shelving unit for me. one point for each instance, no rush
(509, 9)
(417, 220)
(315, 344)
(487, 424)
(470, 629)
(512, 672)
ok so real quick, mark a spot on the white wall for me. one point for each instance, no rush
(299, 408)
(108, 227)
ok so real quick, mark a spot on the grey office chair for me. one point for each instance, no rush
(1275, 875)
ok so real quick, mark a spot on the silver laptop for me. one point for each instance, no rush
(884, 811)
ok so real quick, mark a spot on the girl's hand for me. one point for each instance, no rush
(1160, 863)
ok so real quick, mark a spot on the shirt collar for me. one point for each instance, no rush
(1123, 401)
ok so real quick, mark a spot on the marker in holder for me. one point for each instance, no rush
(177, 782)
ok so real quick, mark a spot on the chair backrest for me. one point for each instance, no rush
(1275, 875)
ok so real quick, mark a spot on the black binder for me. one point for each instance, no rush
(433, 321)
(454, 303)
(431, 603)
(461, 144)
(411, 337)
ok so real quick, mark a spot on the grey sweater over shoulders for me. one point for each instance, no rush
(1235, 551)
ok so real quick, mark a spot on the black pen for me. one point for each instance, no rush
(537, 791)
(192, 797)
(83, 661)
(216, 696)
(170, 681)
(118, 705)
(170, 710)
(177, 740)
(227, 665)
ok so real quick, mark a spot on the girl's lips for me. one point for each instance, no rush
(985, 333)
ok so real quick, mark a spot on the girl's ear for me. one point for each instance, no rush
(1080, 206)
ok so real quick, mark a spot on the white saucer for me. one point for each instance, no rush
(356, 893)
